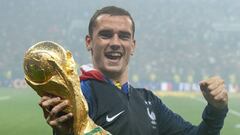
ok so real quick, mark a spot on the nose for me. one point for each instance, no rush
(115, 42)
(114, 46)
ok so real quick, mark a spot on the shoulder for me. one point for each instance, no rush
(146, 94)
(143, 91)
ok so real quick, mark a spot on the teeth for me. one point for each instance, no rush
(115, 54)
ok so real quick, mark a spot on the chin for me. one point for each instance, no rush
(112, 70)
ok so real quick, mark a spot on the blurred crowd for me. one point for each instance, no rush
(177, 41)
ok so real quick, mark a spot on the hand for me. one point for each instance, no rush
(214, 91)
(53, 112)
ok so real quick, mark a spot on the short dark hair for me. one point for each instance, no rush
(111, 10)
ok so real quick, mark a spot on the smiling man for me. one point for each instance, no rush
(111, 43)
(117, 106)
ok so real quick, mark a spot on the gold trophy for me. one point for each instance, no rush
(51, 70)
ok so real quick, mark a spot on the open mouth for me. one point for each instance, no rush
(113, 55)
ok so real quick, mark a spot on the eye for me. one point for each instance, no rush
(124, 35)
(105, 34)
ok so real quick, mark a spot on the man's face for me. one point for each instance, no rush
(111, 44)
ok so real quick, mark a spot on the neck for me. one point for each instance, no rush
(117, 77)
(121, 79)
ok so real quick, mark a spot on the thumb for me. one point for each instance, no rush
(203, 85)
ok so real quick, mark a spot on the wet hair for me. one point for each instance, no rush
(111, 10)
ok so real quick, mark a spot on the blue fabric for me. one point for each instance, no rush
(169, 122)
(125, 86)
(86, 90)
(85, 86)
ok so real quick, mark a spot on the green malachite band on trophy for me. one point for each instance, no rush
(94, 131)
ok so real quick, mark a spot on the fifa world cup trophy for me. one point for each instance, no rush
(51, 70)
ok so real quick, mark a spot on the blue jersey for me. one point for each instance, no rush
(139, 112)
(86, 90)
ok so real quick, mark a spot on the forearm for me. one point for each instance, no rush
(213, 120)
(212, 123)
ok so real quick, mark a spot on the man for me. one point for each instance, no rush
(117, 106)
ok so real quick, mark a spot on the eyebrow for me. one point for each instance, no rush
(105, 31)
(110, 31)
(125, 33)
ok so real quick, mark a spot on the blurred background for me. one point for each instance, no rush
(179, 42)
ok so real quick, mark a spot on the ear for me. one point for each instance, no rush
(88, 43)
(133, 47)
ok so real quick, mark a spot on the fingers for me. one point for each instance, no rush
(221, 97)
(216, 84)
(211, 83)
(57, 123)
(45, 110)
(53, 108)
(47, 103)
(44, 98)
(59, 108)
(214, 91)
(63, 121)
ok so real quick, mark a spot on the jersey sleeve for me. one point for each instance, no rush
(171, 123)
(86, 90)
